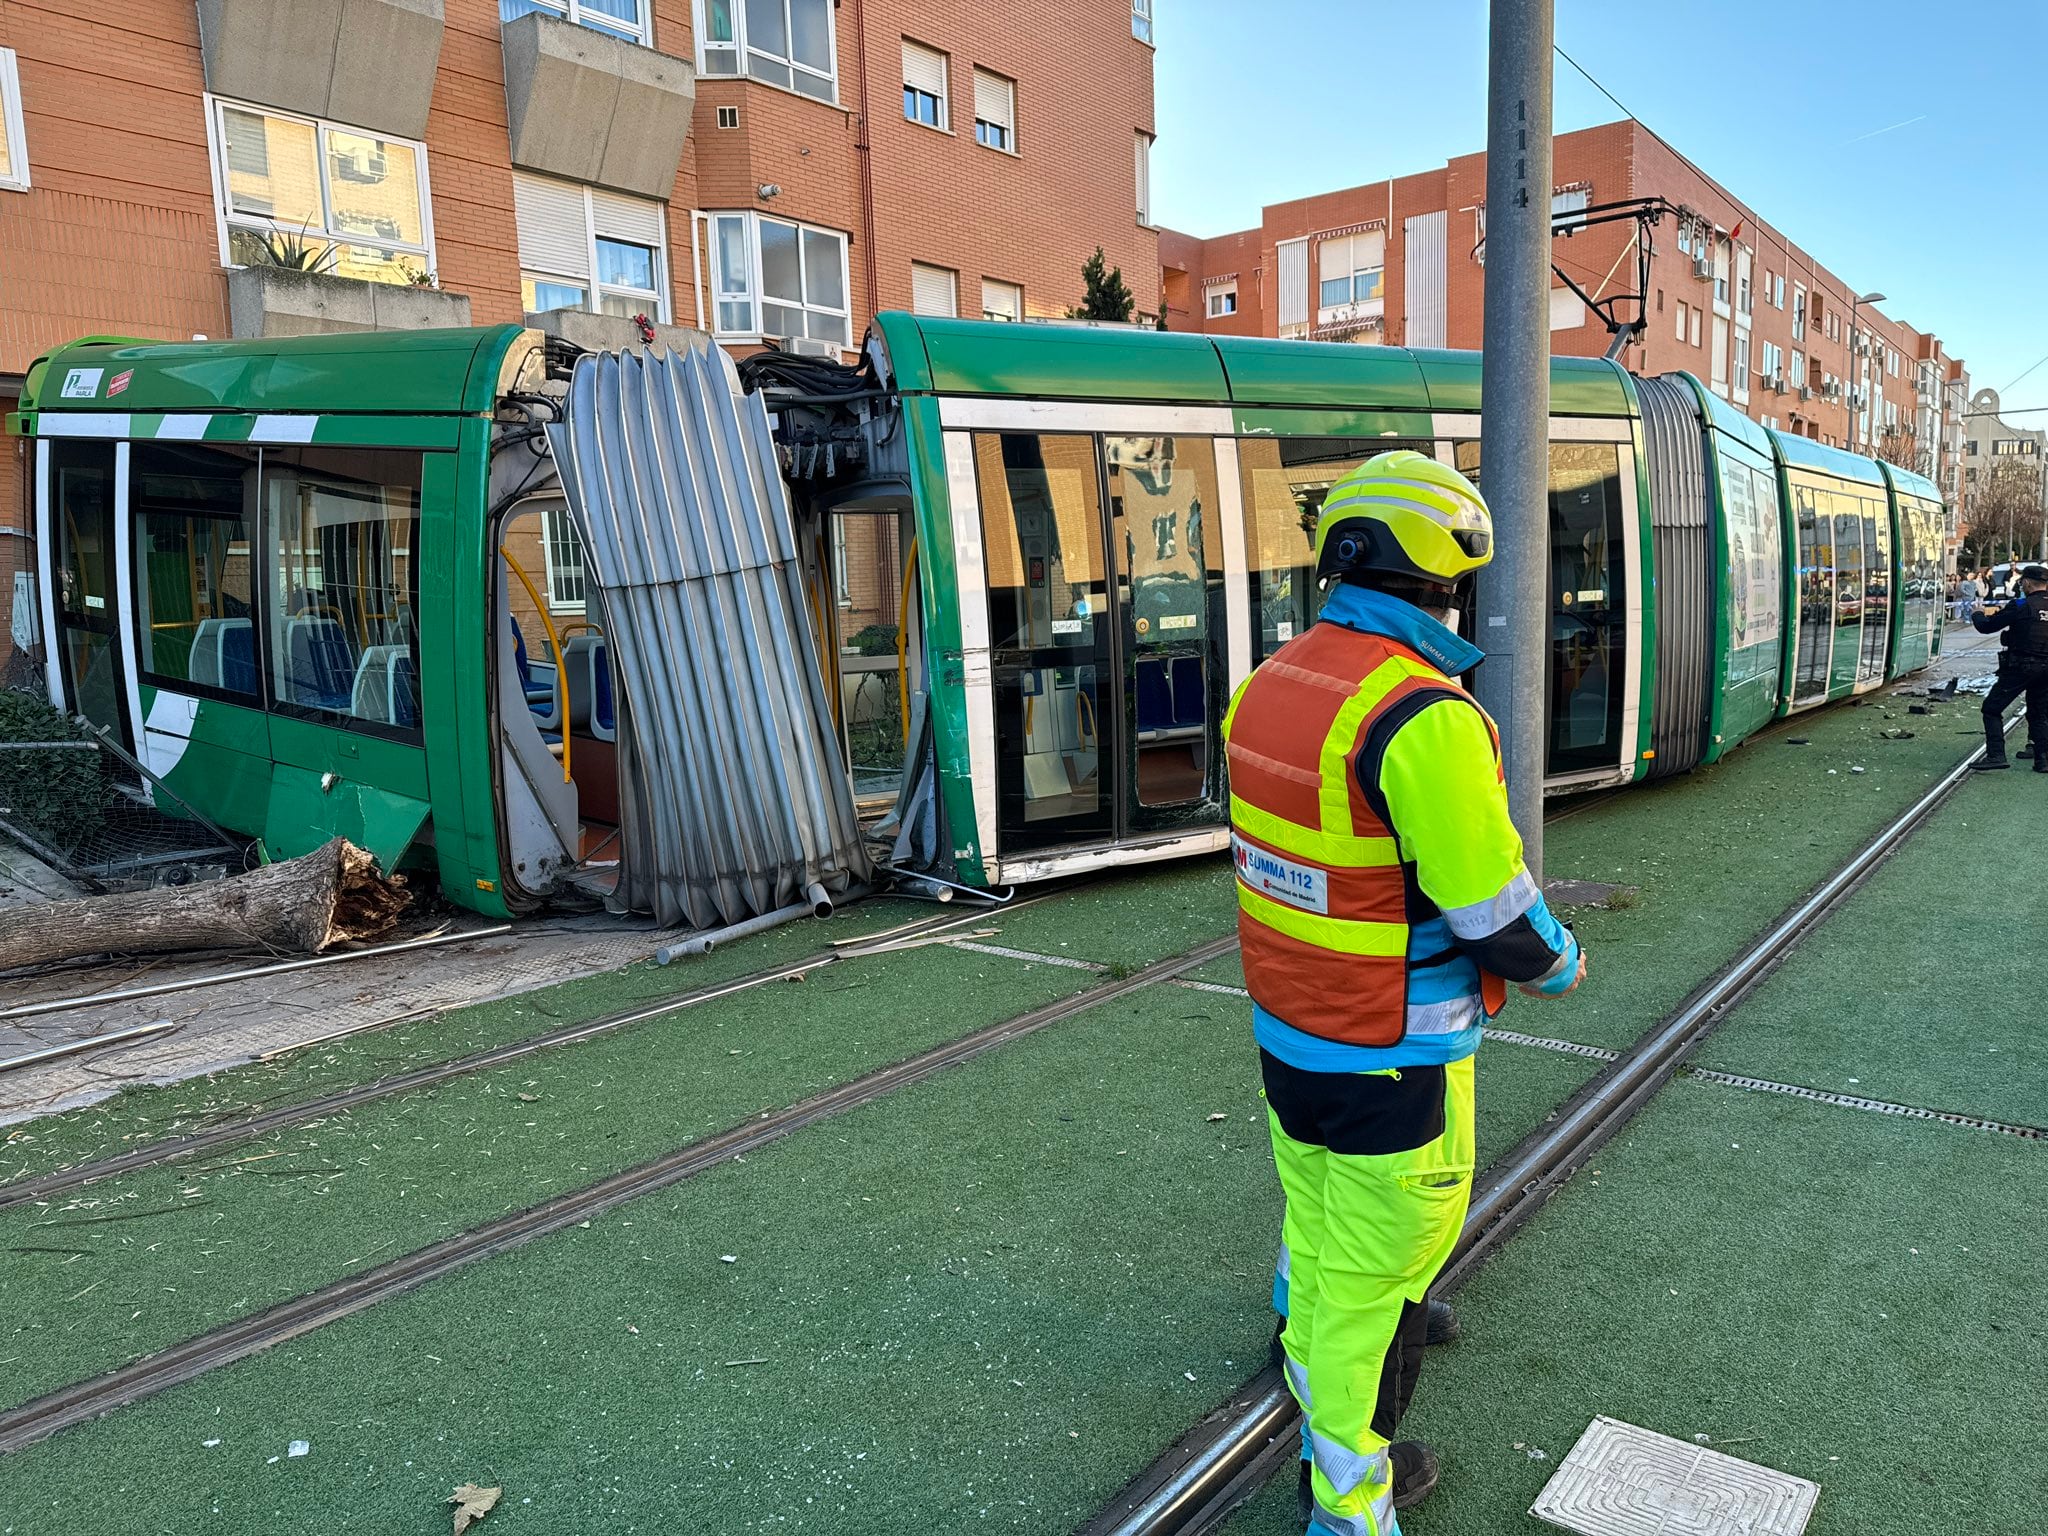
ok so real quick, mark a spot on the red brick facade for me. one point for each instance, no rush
(1907, 371)
(118, 231)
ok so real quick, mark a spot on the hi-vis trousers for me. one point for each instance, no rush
(1377, 1170)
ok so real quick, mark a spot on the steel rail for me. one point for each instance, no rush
(1206, 1474)
(185, 1361)
(248, 1127)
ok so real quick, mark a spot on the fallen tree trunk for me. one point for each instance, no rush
(296, 907)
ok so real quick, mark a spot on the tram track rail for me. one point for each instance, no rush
(177, 1148)
(191, 1358)
(1202, 1478)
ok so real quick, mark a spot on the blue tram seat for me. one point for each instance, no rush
(320, 669)
(386, 686)
(1155, 700)
(237, 640)
(1190, 698)
(542, 698)
(603, 722)
(405, 691)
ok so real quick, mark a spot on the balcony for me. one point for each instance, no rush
(368, 63)
(281, 301)
(590, 107)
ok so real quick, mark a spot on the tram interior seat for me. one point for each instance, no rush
(205, 664)
(587, 660)
(320, 668)
(237, 658)
(542, 696)
(386, 686)
(1172, 702)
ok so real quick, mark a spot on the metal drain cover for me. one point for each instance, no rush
(1623, 1481)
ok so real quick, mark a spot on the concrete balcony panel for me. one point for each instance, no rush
(277, 301)
(609, 333)
(590, 107)
(367, 63)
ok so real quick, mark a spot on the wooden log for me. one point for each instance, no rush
(299, 906)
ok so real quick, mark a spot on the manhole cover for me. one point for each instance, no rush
(1587, 893)
(1623, 1481)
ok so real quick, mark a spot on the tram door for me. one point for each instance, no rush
(87, 593)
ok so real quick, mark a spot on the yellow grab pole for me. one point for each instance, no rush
(554, 644)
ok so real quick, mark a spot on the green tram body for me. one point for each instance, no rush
(1110, 529)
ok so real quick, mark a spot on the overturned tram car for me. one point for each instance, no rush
(970, 611)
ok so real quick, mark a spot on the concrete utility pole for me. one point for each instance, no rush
(1513, 609)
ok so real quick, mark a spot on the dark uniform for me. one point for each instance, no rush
(2022, 669)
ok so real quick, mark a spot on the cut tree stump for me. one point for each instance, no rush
(299, 906)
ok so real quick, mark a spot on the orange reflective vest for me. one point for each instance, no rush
(1324, 904)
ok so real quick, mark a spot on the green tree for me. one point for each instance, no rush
(1107, 297)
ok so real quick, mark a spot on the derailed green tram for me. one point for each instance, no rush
(337, 584)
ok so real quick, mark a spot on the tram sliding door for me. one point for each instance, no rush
(87, 676)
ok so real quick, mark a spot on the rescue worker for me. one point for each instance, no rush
(1383, 906)
(2022, 668)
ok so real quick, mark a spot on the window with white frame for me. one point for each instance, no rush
(789, 43)
(13, 146)
(1350, 269)
(1696, 325)
(1798, 372)
(622, 18)
(1773, 362)
(772, 277)
(1742, 272)
(1222, 300)
(564, 551)
(1742, 365)
(585, 248)
(924, 85)
(1145, 179)
(298, 192)
(1141, 20)
(1001, 301)
(1682, 308)
(1563, 207)
(934, 290)
(1799, 312)
(1778, 291)
(995, 111)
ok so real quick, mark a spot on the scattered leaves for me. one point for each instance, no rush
(1219, 1115)
(472, 1504)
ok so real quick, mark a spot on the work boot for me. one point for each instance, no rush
(1415, 1471)
(1443, 1319)
(2027, 751)
(1986, 764)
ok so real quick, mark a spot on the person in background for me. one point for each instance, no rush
(1967, 595)
(2022, 668)
(1383, 910)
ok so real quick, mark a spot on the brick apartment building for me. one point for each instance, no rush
(1729, 299)
(778, 169)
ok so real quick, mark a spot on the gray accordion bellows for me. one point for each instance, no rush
(733, 795)
(1682, 553)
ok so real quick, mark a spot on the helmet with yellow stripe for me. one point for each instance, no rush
(1403, 514)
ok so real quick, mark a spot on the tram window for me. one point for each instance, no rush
(343, 592)
(1877, 590)
(1816, 592)
(1285, 481)
(82, 508)
(868, 572)
(194, 597)
(1850, 597)
(1162, 494)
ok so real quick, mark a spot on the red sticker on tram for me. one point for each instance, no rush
(119, 382)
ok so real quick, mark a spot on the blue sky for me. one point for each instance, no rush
(1900, 144)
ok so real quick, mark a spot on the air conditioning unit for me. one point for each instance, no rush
(806, 346)
(1805, 392)
(1778, 383)
(1702, 266)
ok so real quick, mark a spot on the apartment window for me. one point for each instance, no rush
(1891, 363)
(564, 552)
(1684, 238)
(771, 277)
(355, 201)
(924, 85)
(621, 18)
(1351, 269)
(1742, 365)
(1222, 300)
(995, 111)
(1778, 291)
(1141, 20)
(1798, 313)
(13, 146)
(728, 117)
(1723, 257)
(1798, 379)
(1695, 325)
(1773, 362)
(789, 43)
(934, 290)
(1563, 205)
(1683, 309)
(585, 248)
(1001, 301)
(1144, 153)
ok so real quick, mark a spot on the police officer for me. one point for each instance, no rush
(2022, 668)
(1383, 906)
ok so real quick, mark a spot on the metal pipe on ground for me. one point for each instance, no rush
(1512, 613)
(817, 902)
(73, 1047)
